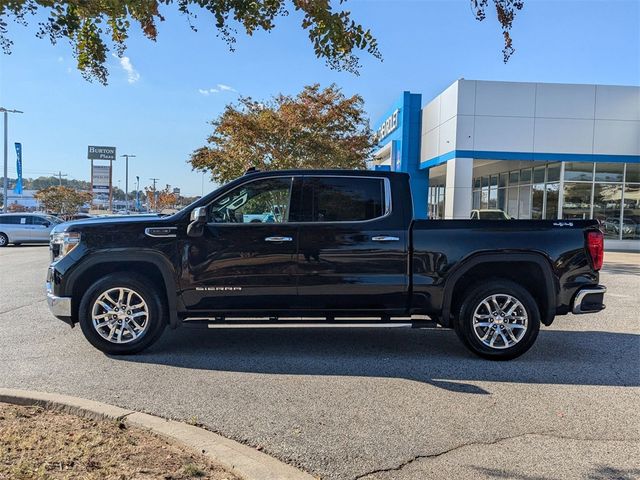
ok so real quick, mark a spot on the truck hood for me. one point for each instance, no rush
(108, 222)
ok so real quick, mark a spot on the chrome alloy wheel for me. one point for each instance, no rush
(500, 321)
(120, 315)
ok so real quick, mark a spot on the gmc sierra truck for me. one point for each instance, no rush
(344, 245)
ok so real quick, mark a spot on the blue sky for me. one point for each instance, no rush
(154, 106)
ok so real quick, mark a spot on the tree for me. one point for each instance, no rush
(95, 27)
(64, 201)
(161, 199)
(318, 128)
(506, 12)
(16, 208)
(90, 25)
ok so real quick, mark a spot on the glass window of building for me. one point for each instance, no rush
(537, 201)
(609, 172)
(538, 175)
(524, 202)
(493, 198)
(633, 173)
(552, 199)
(607, 200)
(502, 199)
(578, 171)
(577, 201)
(631, 212)
(525, 176)
(514, 177)
(503, 180)
(553, 172)
(512, 201)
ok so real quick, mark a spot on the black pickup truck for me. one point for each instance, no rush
(321, 246)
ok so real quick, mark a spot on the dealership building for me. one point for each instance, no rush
(532, 150)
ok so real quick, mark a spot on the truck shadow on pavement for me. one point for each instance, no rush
(433, 356)
(621, 268)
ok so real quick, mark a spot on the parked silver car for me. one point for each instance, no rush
(20, 228)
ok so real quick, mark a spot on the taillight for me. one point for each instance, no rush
(595, 244)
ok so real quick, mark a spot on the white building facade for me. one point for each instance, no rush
(533, 150)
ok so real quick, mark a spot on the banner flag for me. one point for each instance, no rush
(18, 188)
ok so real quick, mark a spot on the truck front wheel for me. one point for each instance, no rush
(498, 320)
(122, 314)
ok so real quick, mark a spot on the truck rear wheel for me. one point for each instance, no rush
(498, 320)
(122, 314)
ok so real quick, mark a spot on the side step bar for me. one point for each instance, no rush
(313, 322)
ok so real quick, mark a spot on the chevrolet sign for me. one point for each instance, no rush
(388, 126)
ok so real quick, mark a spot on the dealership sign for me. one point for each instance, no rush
(388, 126)
(101, 153)
(100, 182)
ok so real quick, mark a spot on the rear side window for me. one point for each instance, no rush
(342, 199)
(9, 219)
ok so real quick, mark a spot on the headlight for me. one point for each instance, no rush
(63, 242)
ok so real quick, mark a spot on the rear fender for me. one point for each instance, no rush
(551, 284)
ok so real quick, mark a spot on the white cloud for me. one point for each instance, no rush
(226, 88)
(220, 87)
(208, 91)
(60, 59)
(132, 74)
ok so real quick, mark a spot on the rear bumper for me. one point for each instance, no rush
(589, 300)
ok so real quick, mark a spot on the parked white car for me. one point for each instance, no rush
(20, 228)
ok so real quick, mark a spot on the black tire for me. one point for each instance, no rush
(4, 240)
(464, 325)
(157, 317)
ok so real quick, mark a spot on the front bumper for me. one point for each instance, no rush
(59, 306)
(589, 300)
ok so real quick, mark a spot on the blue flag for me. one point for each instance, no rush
(18, 188)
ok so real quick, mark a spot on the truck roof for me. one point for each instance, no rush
(334, 171)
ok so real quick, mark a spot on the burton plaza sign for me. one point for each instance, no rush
(101, 153)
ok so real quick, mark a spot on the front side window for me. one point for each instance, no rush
(342, 199)
(262, 201)
(39, 221)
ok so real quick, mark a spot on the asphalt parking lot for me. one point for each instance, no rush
(363, 403)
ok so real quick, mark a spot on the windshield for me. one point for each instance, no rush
(53, 220)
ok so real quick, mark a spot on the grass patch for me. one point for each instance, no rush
(40, 444)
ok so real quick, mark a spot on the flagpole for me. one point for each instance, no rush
(5, 184)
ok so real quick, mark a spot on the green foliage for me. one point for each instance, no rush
(318, 128)
(94, 27)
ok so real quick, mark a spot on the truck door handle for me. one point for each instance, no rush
(278, 239)
(385, 238)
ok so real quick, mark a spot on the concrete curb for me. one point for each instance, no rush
(246, 462)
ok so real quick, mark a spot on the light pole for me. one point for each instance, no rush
(126, 180)
(155, 196)
(6, 154)
(137, 193)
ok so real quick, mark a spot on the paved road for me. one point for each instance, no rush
(371, 403)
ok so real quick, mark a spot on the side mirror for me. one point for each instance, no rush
(199, 214)
(198, 220)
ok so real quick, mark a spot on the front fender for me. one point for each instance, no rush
(116, 256)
